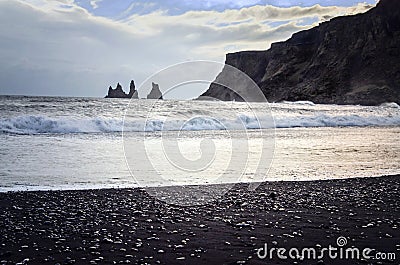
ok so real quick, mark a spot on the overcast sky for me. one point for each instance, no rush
(79, 48)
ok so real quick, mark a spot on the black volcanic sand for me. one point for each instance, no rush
(129, 226)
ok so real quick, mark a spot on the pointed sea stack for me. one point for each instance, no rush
(118, 92)
(155, 92)
(133, 93)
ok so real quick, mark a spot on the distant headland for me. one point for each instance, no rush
(347, 60)
(118, 92)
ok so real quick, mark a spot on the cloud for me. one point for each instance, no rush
(247, 28)
(225, 3)
(95, 3)
(137, 8)
(59, 48)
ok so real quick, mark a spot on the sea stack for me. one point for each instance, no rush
(133, 93)
(155, 92)
(118, 92)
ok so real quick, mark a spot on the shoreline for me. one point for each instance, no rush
(112, 226)
(66, 189)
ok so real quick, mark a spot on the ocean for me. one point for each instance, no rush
(61, 143)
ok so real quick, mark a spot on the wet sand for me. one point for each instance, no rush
(129, 226)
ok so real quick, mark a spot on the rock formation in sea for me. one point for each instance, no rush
(155, 92)
(118, 92)
(133, 93)
(347, 60)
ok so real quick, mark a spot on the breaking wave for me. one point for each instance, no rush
(44, 124)
(65, 125)
(390, 105)
(301, 102)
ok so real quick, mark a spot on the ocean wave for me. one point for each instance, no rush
(390, 105)
(65, 125)
(50, 125)
(323, 120)
(301, 102)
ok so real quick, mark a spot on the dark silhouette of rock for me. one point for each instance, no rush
(347, 60)
(110, 91)
(118, 92)
(155, 92)
(133, 93)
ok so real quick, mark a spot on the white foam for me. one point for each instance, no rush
(64, 125)
(44, 124)
(70, 187)
(301, 102)
(322, 120)
(390, 105)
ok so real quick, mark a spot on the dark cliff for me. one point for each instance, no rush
(347, 60)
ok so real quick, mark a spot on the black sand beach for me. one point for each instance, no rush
(129, 226)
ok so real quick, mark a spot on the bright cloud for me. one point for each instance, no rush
(225, 3)
(95, 3)
(61, 48)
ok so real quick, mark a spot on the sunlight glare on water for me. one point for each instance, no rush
(64, 143)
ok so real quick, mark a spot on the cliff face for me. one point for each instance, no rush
(348, 60)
